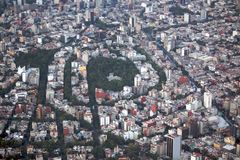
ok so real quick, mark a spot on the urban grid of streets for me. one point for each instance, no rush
(120, 80)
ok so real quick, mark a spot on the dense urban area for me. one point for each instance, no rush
(120, 79)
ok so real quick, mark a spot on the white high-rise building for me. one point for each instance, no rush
(168, 73)
(186, 17)
(207, 99)
(174, 146)
(120, 39)
(137, 80)
(78, 18)
(104, 120)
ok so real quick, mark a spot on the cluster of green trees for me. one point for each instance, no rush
(67, 79)
(102, 25)
(113, 140)
(132, 150)
(10, 143)
(38, 59)
(67, 82)
(30, 1)
(49, 145)
(99, 68)
(177, 10)
(6, 90)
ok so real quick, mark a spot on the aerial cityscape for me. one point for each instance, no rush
(120, 79)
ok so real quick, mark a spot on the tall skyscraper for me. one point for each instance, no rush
(174, 146)
(207, 99)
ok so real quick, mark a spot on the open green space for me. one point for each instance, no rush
(67, 79)
(102, 25)
(6, 90)
(177, 10)
(38, 59)
(99, 68)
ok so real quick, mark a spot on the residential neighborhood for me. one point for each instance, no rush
(122, 80)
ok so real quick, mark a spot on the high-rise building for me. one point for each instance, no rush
(2, 46)
(183, 132)
(78, 18)
(173, 146)
(137, 80)
(193, 128)
(169, 43)
(201, 126)
(78, 52)
(92, 16)
(132, 21)
(39, 112)
(207, 99)
(238, 149)
(203, 14)
(49, 95)
(187, 17)
(162, 149)
(166, 9)
(168, 73)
